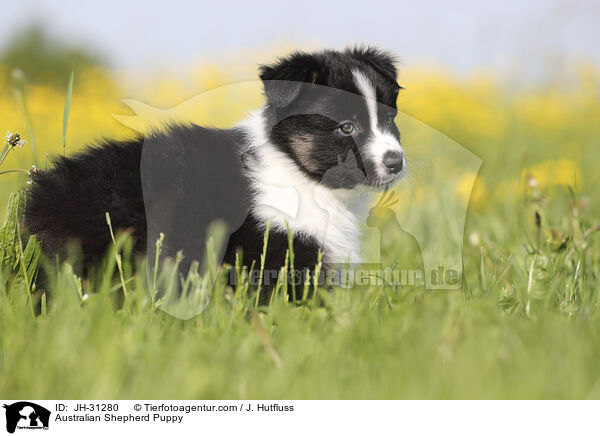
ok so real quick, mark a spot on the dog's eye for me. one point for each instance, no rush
(347, 128)
(390, 117)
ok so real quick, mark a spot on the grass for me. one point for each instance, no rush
(525, 323)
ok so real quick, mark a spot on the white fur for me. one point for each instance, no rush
(380, 142)
(331, 216)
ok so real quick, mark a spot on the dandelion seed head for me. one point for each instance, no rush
(474, 239)
(18, 76)
(532, 182)
(14, 139)
(33, 171)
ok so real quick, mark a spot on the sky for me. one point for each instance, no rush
(529, 36)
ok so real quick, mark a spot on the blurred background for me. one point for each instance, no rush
(516, 83)
(520, 37)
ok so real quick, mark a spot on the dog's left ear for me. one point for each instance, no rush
(283, 80)
(381, 61)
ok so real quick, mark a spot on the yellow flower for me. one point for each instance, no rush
(551, 173)
(471, 189)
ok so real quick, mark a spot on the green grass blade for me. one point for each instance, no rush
(8, 232)
(4, 153)
(67, 109)
(17, 170)
(263, 258)
(20, 89)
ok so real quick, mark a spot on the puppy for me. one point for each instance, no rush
(326, 131)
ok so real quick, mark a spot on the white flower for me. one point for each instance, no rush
(14, 140)
(532, 182)
(474, 239)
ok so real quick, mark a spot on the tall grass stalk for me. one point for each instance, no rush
(20, 91)
(263, 257)
(118, 257)
(67, 109)
(290, 235)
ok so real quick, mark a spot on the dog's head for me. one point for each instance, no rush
(333, 114)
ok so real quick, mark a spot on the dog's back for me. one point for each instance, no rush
(174, 182)
(69, 202)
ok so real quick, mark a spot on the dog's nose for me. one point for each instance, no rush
(393, 161)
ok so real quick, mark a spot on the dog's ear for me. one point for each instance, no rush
(283, 80)
(381, 61)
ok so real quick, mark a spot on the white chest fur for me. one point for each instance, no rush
(285, 196)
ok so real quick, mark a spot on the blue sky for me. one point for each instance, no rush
(529, 36)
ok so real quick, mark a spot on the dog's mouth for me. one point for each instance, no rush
(380, 176)
(382, 183)
(371, 176)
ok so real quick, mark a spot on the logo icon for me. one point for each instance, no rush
(26, 415)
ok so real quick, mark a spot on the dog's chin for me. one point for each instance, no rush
(380, 184)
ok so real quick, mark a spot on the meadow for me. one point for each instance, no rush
(525, 322)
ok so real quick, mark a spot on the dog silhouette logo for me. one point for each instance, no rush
(409, 254)
(26, 415)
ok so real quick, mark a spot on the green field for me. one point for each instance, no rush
(525, 323)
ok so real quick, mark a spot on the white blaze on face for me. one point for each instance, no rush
(380, 141)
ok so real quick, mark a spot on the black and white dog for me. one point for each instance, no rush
(327, 131)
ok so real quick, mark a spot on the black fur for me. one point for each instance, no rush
(69, 201)
(250, 241)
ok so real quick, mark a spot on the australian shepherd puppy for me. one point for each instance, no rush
(305, 163)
